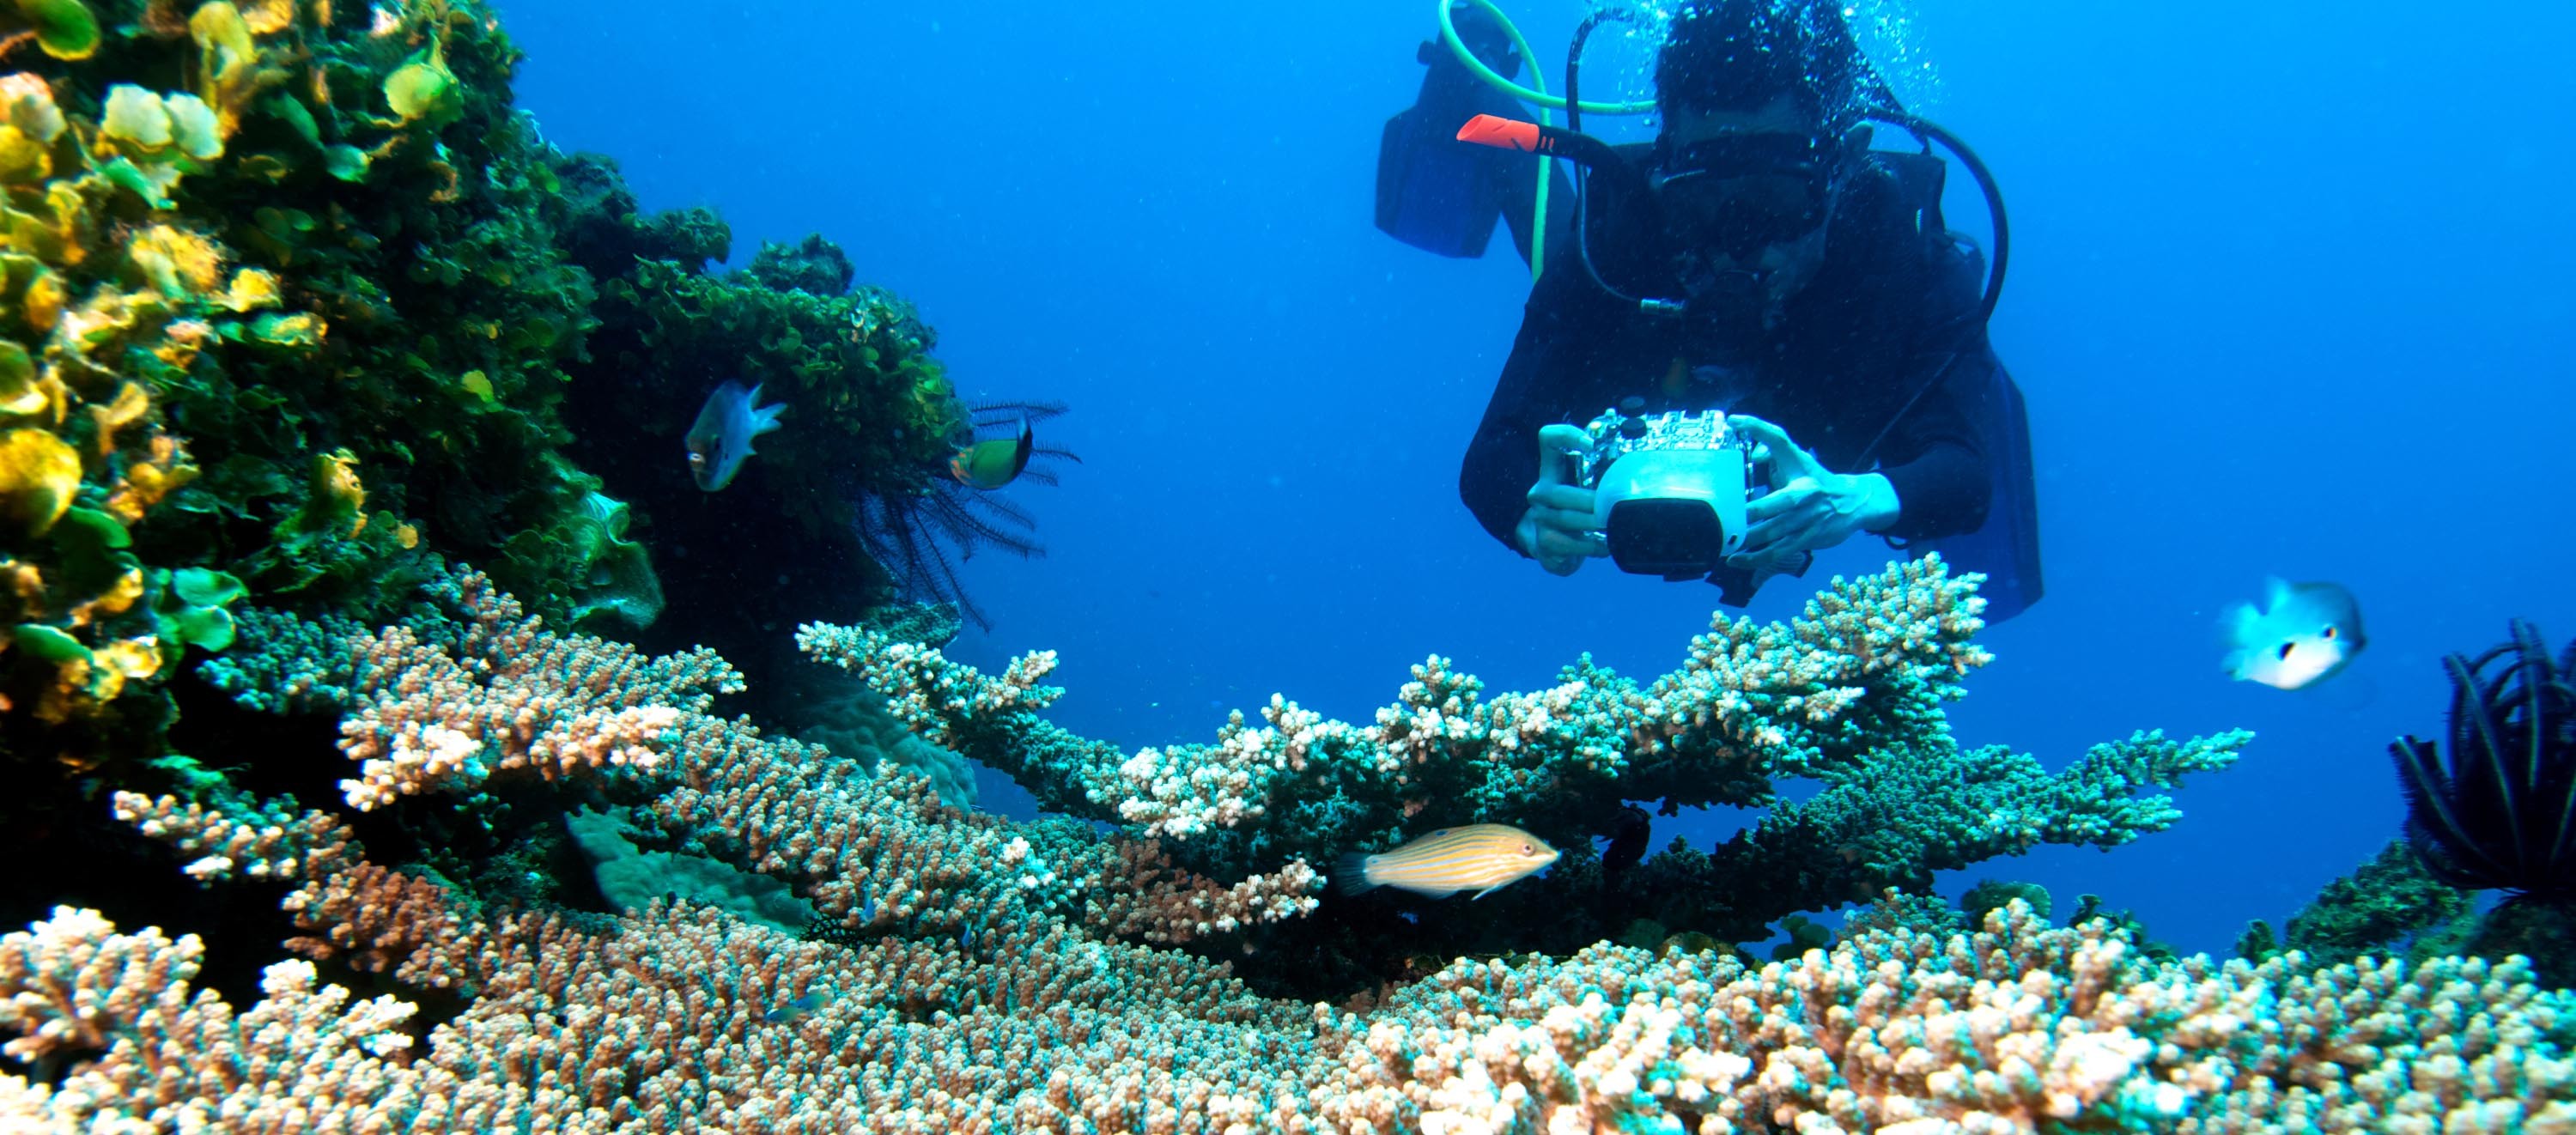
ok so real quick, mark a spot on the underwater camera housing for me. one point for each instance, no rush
(1670, 489)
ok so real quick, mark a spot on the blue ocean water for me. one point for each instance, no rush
(2293, 292)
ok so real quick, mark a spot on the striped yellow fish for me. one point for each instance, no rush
(1478, 857)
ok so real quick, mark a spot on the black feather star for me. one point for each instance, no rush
(920, 535)
(2502, 812)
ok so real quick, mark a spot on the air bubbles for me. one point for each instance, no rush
(1619, 62)
(1888, 32)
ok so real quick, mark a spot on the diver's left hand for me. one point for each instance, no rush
(1810, 507)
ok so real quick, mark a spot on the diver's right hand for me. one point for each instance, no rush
(1557, 529)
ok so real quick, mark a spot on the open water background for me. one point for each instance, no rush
(2293, 292)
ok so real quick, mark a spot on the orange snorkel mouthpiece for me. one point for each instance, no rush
(1505, 134)
(1545, 141)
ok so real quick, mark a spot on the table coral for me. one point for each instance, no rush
(1849, 694)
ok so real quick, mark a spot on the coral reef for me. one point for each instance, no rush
(473, 698)
(1849, 694)
(296, 315)
(293, 310)
(2500, 812)
(857, 475)
(405, 394)
(605, 231)
(106, 289)
(814, 266)
(494, 695)
(978, 974)
(2391, 907)
(2492, 816)
(725, 1025)
(869, 409)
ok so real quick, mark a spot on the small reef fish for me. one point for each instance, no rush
(721, 437)
(790, 1012)
(1445, 862)
(994, 462)
(2305, 633)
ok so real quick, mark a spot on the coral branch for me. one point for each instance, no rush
(1868, 658)
(147, 1055)
(1850, 693)
(497, 694)
(873, 847)
(1160, 903)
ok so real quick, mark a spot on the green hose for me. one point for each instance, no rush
(1538, 97)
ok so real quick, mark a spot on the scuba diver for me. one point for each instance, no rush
(1751, 339)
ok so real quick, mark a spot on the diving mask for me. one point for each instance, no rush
(1737, 194)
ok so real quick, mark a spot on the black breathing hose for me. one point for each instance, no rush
(1574, 62)
(1574, 125)
(1928, 132)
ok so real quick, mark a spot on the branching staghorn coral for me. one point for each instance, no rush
(475, 694)
(1871, 660)
(499, 694)
(1905, 814)
(1849, 694)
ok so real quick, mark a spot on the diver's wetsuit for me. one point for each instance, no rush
(1882, 316)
